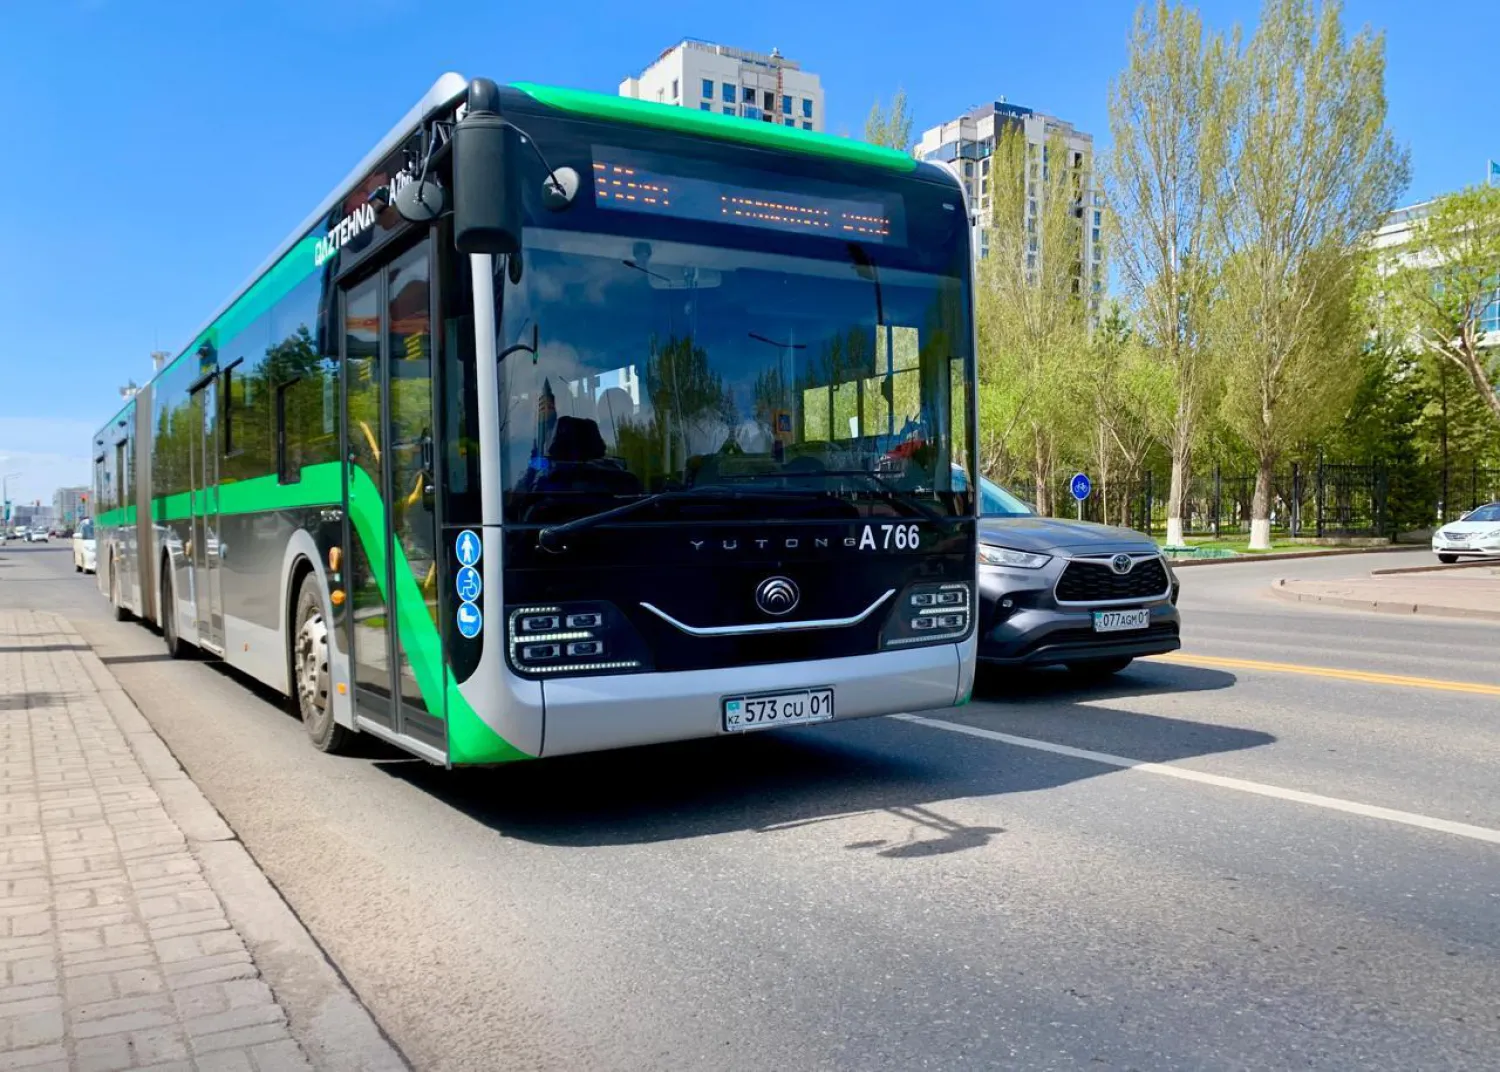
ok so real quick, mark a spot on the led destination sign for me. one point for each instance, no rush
(624, 186)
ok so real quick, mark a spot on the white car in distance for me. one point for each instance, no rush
(84, 558)
(1475, 535)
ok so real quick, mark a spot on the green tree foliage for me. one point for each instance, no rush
(1312, 170)
(1033, 326)
(891, 126)
(689, 407)
(1445, 279)
(1128, 390)
(1166, 186)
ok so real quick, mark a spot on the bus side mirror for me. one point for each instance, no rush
(486, 194)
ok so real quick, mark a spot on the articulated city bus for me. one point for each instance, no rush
(570, 422)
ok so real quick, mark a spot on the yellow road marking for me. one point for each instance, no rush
(1362, 676)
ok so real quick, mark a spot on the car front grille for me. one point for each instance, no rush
(1093, 581)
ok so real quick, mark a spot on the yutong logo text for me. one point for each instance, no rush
(871, 538)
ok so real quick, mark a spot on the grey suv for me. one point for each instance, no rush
(1053, 591)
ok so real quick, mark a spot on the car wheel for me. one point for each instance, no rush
(1099, 669)
(310, 673)
(1447, 560)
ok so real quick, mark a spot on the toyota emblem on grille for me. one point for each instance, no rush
(777, 595)
(1121, 564)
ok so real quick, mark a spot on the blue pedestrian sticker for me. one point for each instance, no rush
(469, 548)
(468, 584)
(470, 619)
(1081, 486)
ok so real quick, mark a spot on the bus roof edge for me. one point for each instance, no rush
(449, 88)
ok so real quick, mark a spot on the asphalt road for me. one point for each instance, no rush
(1308, 877)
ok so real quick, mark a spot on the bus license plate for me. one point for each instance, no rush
(1118, 621)
(768, 709)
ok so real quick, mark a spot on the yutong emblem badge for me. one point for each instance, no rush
(777, 595)
(1121, 563)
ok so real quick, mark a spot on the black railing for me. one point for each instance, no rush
(1312, 498)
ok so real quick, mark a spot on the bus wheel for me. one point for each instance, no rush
(176, 647)
(121, 614)
(310, 670)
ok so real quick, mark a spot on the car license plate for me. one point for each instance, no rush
(1458, 545)
(768, 709)
(1118, 621)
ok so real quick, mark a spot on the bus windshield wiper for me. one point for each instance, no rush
(552, 537)
(885, 489)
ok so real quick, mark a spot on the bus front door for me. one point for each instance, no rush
(203, 555)
(391, 526)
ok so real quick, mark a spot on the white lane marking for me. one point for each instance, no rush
(1317, 800)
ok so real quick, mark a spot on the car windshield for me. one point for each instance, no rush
(1489, 512)
(665, 365)
(995, 501)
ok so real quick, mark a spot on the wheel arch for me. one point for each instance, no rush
(303, 559)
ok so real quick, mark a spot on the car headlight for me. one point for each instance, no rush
(991, 555)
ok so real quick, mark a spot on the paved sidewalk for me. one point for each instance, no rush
(1472, 593)
(116, 951)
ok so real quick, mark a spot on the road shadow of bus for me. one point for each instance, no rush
(778, 780)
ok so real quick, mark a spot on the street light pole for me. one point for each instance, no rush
(5, 495)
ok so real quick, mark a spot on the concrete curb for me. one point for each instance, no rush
(327, 1019)
(1280, 591)
(1492, 563)
(1285, 556)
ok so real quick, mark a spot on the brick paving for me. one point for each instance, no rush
(114, 951)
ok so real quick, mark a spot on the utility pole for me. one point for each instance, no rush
(5, 495)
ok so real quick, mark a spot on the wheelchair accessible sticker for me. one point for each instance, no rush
(468, 584)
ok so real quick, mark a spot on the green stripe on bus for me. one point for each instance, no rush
(470, 738)
(761, 135)
(121, 515)
(278, 281)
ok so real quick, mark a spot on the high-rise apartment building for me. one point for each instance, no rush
(731, 81)
(968, 142)
(1396, 240)
(69, 504)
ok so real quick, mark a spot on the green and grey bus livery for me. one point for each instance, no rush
(570, 422)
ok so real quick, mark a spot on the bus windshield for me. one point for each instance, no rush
(664, 365)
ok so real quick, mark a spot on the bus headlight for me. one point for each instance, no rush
(927, 613)
(571, 638)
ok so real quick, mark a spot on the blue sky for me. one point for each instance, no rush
(161, 149)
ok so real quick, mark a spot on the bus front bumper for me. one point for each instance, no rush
(590, 713)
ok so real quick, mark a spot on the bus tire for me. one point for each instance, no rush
(121, 613)
(177, 648)
(311, 679)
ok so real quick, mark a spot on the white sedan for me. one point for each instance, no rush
(1475, 535)
(83, 547)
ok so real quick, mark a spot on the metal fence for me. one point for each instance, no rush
(1310, 499)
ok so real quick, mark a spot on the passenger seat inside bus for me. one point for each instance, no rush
(578, 463)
